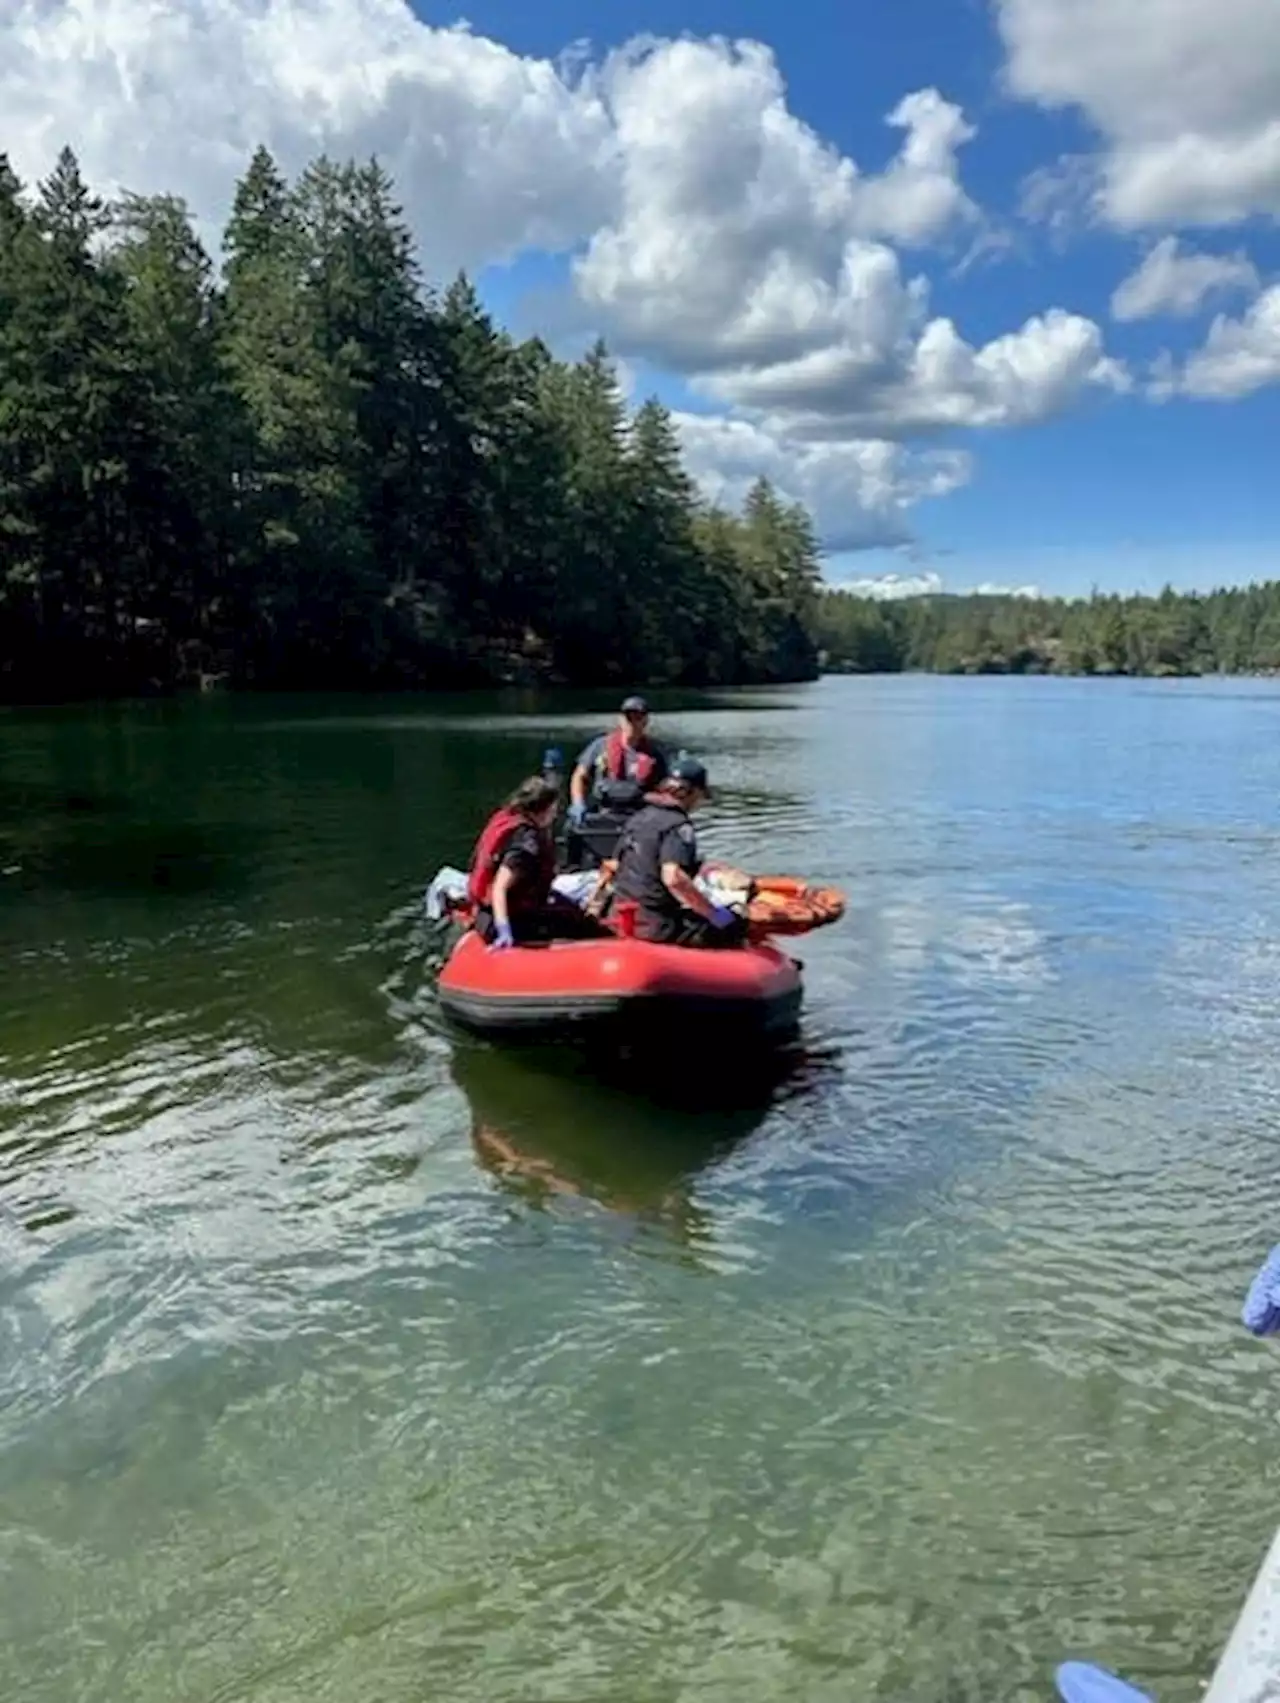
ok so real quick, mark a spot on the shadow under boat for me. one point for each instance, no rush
(632, 1137)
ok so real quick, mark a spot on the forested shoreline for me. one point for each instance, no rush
(308, 468)
(1231, 631)
(305, 467)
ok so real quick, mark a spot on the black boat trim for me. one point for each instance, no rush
(515, 1012)
(520, 1011)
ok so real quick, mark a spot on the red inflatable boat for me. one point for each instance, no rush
(621, 983)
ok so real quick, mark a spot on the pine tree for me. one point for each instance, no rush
(69, 404)
(383, 349)
(298, 494)
(316, 472)
(667, 579)
(179, 475)
(23, 615)
(780, 557)
(474, 360)
(593, 641)
(726, 634)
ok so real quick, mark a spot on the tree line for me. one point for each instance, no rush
(304, 467)
(1232, 631)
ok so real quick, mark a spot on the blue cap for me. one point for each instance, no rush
(689, 770)
(553, 757)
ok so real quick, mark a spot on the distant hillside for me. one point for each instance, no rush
(1234, 631)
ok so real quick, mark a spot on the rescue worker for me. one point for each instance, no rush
(512, 868)
(627, 755)
(658, 859)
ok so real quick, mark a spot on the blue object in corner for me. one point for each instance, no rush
(1261, 1310)
(1081, 1682)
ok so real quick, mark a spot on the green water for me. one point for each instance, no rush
(341, 1365)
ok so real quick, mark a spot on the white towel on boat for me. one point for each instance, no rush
(576, 885)
(716, 885)
(449, 888)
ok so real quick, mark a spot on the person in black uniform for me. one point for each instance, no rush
(512, 869)
(657, 860)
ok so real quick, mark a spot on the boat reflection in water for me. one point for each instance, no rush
(549, 1129)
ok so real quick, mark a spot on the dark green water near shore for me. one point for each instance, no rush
(341, 1364)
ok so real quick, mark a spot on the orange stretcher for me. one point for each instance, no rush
(785, 904)
(775, 904)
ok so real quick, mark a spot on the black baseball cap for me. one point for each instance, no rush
(634, 706)
(692, 773)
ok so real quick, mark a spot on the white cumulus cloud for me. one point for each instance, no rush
(890, 588)
(713, 233)
(750, 256)
(492, 152)
(919, 195)
(1238, 357)
(859, 491)
(1185, 93)
(886, 588)
(1173, 280)
(930, 380)
(740, 238)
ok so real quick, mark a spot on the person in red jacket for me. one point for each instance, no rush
(512, 868)
(626, 754)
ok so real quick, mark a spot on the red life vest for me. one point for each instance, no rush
(615, 760)
(486, 860)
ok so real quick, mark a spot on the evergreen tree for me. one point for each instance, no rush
(666, 578)
(313, 470)
(23, 584)
(67, 412)
(780, 555)
(585, 408)
(1227, 631)
(294, 478)
(179, 456)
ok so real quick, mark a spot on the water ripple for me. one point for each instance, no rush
(337, 1361)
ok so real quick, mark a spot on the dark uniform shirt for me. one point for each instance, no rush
(523, 857)
(523, 850)
(657, 834)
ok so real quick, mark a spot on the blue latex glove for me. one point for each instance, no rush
(722, 916)
(577, 814)
(502, 936)
(1081, 1682)
(1261, 1311)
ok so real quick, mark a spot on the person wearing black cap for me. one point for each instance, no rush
(658, 859)
(626, 759)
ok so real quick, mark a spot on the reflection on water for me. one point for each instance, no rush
(338, 1362)
(635, 1143)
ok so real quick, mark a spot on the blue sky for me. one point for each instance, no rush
(869, 247)
(1120, 493)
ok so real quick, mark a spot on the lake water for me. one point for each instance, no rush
(339, 1365)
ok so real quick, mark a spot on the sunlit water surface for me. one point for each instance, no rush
(342, 1365)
